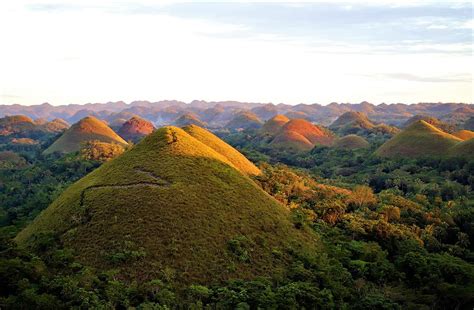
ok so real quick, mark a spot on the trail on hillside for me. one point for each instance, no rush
(159, 182)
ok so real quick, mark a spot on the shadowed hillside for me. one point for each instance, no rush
(351, 142)
(207, 221)
(418, 139)
(87, 129)
(189, 119)
(273, 125)
(244, 120)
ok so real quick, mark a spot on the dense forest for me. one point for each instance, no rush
(395, 234)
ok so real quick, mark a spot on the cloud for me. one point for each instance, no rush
(463, 78)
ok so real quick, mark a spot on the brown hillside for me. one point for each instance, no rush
(273, 125)
(315, 134)
(135, 128)
(87, 129)
(464, 134)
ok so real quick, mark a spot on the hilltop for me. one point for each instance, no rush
(418, 139)
(207, 222)
(430, 120)
(87, 129)
(224, 149)
(358, 123)
(189, 119)
(273, 125)
(135, 128)
(351, 142)
(301, 135)
(244, 120)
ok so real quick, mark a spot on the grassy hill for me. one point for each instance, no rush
(244, 120)
(463, 149)
(189, 119)
(87, 129)
(358, 123)
(273, 125)
(464, 134)
(299, 134)
(172, 208)
(351, 142)
(224, 149)
(418, 139)
(135, 128)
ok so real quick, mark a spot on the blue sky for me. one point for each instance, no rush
(380, 51)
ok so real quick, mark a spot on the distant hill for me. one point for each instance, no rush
(469, 124)
(351, 142)
(135, 128)
(358, 123)
(16, 124)
(464, 134)
(189, 119)
(87, 129)
(244, 120)
(418, 139)
(300, 135)
(430, 120)
(181, 207)
(236, 158)
(21, 126)
(273, 125)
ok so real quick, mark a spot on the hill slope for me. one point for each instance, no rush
(273, 125)
(189, 119)
(463, 149)
(464, 134)
(244, 120)
(299, 134)
(207, 222)
(418, 139)
(351, 142)
(218, 145)
(87, 129)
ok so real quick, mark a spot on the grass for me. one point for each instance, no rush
(191, 204)
(351, 142)
(464, 134)
(463, 149)
(417, 140)
(87, 129)
(245, 120)
(224, 149)
(273, 125)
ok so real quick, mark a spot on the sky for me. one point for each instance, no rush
(65, 52)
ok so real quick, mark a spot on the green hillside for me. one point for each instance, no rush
(351, 142)
(172, 207)
(463, 149)
(273, 125)
(87, 129)
(418, 139)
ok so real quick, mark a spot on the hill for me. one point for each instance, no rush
(358, 123)
(430, 120)
(464, 134)
(463, 149)
(224, 149)
(418, 139)
(299, 134)
(469, 124)
(56, 125)
(16, 124)
(189, 119)
(273, 125)
(207, 222)
(244, 120)
(351, 142)
(87, 129)
(135, 128)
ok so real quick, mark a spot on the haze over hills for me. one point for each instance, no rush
(202, 206)
(87, 129)
(218, 114)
